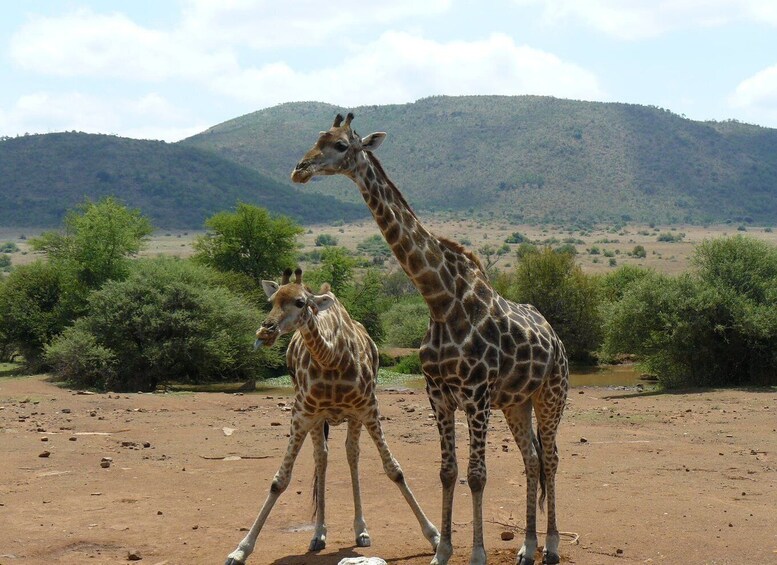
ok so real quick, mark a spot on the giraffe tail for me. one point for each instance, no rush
(538, 447)
(315, 475)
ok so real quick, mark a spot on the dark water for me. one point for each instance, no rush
(608, 375)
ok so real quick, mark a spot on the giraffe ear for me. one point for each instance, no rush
(322, 301)
(373, 141)
(270, 288)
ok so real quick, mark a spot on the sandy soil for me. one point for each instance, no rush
(686, 478)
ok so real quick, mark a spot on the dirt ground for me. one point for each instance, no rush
(644, 478)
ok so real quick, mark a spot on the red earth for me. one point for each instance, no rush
(644, 478)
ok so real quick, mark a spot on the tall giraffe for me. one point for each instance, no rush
(481, 351)
(333, 365)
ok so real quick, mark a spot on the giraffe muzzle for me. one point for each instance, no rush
(266, 336)
(301, 173)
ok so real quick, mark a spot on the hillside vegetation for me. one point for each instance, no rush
(176, 186)
(530, 158)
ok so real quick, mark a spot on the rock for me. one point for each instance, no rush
(507, 535)
(583, 440)
(362, 561)
(45, 454)
(134, 555)
(66, 410)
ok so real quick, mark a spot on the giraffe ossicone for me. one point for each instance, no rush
(333, 365)
(481, 351)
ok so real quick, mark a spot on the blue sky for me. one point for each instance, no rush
(169, 69)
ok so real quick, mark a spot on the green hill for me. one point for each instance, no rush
(177, 186)
(530, 158)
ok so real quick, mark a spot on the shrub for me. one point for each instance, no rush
(325, 240)
(715, 326)
(639, 252)
(406, 323)
(76, 358)
(168, 321)
(410, 365)
(34, 307)
(567, 297)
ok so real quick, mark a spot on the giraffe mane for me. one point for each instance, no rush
(456, 247)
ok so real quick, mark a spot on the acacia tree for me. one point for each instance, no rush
(249, 240)
(97, 241)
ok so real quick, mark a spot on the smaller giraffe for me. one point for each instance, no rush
(333, 365)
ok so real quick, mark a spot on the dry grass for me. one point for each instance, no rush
(665, 257)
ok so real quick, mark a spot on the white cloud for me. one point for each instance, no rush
(271, 24)
(641, 19)
(87, 44)
(755, 98)
(45, 112)
(400, 67)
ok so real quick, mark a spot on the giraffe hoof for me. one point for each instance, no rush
(363, 540)
(233, 561)
(317, 544)
(523, 560)
(550, 558)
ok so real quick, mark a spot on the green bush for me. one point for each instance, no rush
(168, 321)
(325, 240)
(639, 252)
(715, 326)
(34, 307)
(406, 323)
(76, 358)
(410, 365)
(567, 297)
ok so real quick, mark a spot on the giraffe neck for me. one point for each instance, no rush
(323, 348)
(419, 252)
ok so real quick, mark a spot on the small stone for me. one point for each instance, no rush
(583, 440)
(158, 512)
(619, 551)
(362, 561)
(134, 555)
(108, 459)
(507, 535)
(44, 454)
(72, 438)
(146, 444)
(105, 464)
(66, 410)
(275, 423)
(44, 439)
(195, 527)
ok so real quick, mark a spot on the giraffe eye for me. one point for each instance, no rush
(300, 303)
(341, 146)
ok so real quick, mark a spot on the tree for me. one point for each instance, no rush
(97, 241)
(34, 307)
(567, 297)
(249, 240)
(170, 320)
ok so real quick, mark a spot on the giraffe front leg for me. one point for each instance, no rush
(279, 484)
(449, 472)
(394, 472)
(477, 422)
(519, 421)
(320, 452)
(352, 453)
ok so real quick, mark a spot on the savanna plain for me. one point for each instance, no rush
(176, 477)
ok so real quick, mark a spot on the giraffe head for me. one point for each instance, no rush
(335, 151)
(292, 306)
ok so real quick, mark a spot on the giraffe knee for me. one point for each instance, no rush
(448, 476)
(394, 471)
(278, 485)
(477, 480)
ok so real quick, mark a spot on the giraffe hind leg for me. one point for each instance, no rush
(548, 408)
(352, 453)
(519, 421)
(320, 451)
